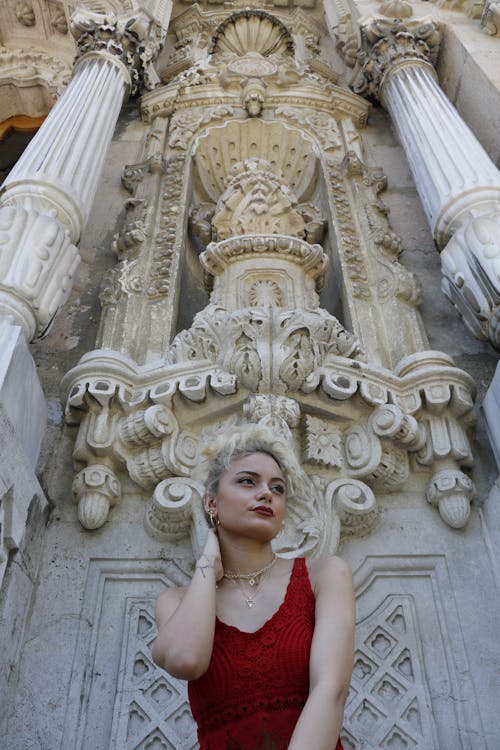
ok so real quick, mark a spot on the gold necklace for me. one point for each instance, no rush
(240, 582)
(250, 577)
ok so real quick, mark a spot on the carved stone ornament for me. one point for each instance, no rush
(396, 9)
(451, 492)
(471, 275)
(387, 44)
(24, 13)
(252, 31)
(37, 265)
(256, 201)
(490, 18)
(34, 68)
(263, 350)
(134, 39)
(58, 19)
(471, 8)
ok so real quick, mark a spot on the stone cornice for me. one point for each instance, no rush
(164, 101)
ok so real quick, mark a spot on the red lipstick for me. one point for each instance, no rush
(263, 510)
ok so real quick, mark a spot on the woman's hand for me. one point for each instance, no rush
(186, 618)
(211, 556)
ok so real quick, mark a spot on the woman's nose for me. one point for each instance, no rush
(265, 492)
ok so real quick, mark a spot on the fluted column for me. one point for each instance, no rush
(45, 201)
(458, 184)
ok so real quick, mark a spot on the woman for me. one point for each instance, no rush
(266, 643)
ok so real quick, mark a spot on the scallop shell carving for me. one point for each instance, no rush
(252, 31)
(287, 151)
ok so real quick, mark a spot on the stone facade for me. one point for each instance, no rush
(256, 212)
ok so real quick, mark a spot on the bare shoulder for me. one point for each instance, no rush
(167, 602)
(329, 572)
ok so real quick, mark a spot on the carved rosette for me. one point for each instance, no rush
(387, 45)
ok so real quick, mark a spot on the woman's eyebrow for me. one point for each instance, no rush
(256, 474)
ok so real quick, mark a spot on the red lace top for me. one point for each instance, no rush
(251, 696)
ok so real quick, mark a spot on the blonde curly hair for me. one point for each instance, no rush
(243, 440)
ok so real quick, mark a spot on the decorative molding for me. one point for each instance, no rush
(32, 68)
(144, 702)
(407, 622)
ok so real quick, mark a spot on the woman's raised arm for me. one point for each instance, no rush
(331, 659)
(186, 619)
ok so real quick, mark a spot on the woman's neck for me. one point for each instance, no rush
(245, 556)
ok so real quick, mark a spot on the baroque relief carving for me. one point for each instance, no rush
(135, 39)
(385, 44)
(58, 19)
(263, 349)
(471, 275)
(490, 17)
(252, 31)
(24, 13)
(37, 265)
(32, 67)
(388, 674)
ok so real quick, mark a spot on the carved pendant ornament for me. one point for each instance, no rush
(263, 349)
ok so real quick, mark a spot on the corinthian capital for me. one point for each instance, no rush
(384, 45)
(132, 37)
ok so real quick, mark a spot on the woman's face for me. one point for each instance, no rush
(251, 497)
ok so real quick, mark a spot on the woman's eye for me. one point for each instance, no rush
(278, 488)
(245, 480)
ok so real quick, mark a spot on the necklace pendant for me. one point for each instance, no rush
(252, 581)
(249, 602)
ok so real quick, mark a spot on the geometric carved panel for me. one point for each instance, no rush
(406, 693)
(389, 704)
(151, 709)
(411, 688)
(118, 699)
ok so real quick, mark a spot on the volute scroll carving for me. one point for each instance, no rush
(133, 39)
(384, 45)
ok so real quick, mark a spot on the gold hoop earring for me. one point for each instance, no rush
(213, 519)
